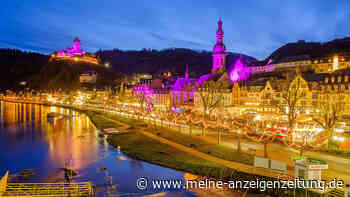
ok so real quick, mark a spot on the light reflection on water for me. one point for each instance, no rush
(29, 141)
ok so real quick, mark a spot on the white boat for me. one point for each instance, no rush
(111, 130)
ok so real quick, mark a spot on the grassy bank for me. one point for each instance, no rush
(99, 122)
(194, 142)
(144, 148)
(204, 146)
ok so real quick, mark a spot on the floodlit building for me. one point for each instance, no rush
(301, 62)
(75, 54)
(88, 77)
(331, 63)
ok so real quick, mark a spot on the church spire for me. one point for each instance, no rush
(219, 49)
(219, 33)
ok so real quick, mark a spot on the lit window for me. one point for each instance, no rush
(335, 63)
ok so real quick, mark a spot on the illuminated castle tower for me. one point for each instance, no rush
(219, 48)
(76, 44)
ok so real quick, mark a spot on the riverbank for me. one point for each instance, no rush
(336, 153)
(146, 149)
(139, 132)
(182, 162)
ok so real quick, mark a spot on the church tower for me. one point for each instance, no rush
(219, 55)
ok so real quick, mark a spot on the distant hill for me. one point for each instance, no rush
(173, 60)
(313, 49)
(65, 75)
(39, 72)
(17, 66)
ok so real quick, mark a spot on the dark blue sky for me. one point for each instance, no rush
(252, 27)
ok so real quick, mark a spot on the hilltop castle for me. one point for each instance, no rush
(75, 54)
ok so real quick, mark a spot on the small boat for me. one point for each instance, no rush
(72, 172)
(123, 158)
(27, 173)
(103, 169)
(158, 194)
(52, 116)
(111, 130)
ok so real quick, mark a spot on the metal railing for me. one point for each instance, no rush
(49, 189)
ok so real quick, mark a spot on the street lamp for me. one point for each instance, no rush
(339, 139)
(258, 117)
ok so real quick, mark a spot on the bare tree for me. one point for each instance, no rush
(189, 120)
(291, 101)
(144, 96)
(329, 112)
(265, 137)
(211, 97)
(140, 98)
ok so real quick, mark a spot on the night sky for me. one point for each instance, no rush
(252, 27)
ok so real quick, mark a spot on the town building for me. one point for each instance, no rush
(256, 88)
(88, 77)
(331, 63)
(301, 62)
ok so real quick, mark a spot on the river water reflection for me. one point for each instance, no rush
(29, 141)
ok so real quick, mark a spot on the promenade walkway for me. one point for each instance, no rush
(230, 164)
(289, 175)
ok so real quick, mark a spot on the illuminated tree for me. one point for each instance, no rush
(221, 123)
(144, 96)
(305, 144)
(211, 95)
(328, 113)
(189, 120)
(264, 137)
(233, 126)
(291, 101)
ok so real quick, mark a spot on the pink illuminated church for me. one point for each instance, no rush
(232, 74)
(185, 88)
(183, 91)
(75, 53)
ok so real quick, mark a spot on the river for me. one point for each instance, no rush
(28, 140)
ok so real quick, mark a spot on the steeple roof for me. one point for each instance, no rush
(219, 47)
